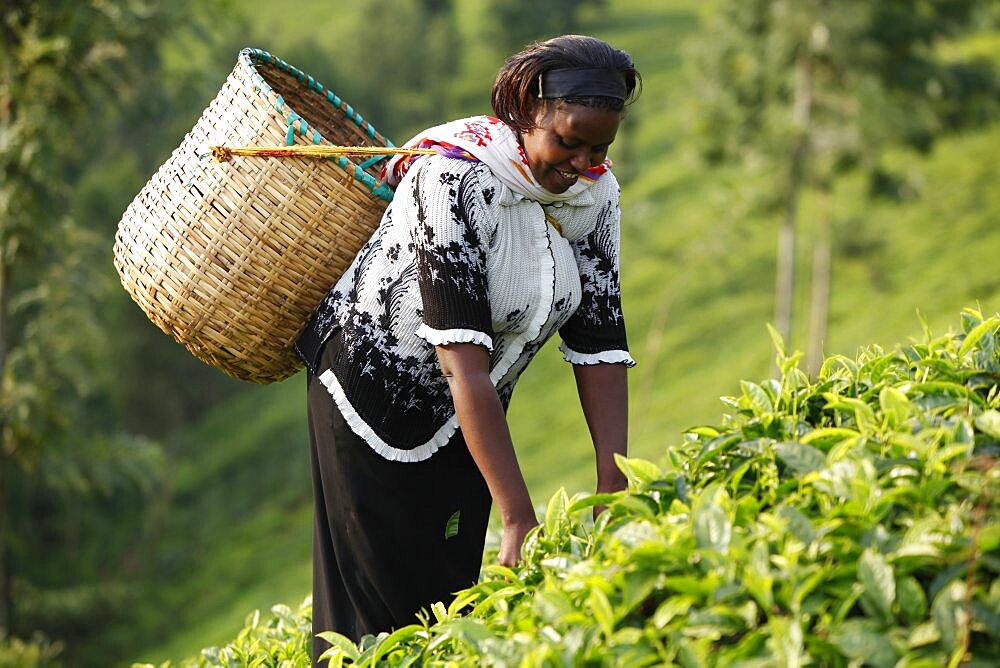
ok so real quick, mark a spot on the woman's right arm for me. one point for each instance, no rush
(452, 226)
(484, 426)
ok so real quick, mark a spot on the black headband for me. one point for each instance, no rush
(596, 82)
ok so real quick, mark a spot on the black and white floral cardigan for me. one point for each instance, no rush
(460, 257)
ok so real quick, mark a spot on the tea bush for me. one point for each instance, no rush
(39, 652)
(846, 520)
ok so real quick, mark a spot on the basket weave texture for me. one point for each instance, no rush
(231, 258)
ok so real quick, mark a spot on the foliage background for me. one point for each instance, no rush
(148, 502)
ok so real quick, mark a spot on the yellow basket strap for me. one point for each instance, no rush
(224, 153)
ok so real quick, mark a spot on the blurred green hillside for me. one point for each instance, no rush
(231, 526)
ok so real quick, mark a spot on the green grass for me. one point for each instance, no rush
(698, 270)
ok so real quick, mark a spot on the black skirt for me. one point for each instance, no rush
(389, 538)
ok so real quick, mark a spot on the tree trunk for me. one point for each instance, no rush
(819, 304)
(5, 597)
(10, 35)
(784, 291)
(6, 600)
(784, 288)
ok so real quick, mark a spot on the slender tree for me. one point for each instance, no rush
(810, 89)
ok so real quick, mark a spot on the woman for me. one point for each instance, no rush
(507, 235)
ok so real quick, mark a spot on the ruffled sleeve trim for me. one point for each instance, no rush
(603, 357)
(442, 337)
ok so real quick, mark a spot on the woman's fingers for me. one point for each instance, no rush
(512, 540)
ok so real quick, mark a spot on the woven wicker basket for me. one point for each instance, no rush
(231, 258)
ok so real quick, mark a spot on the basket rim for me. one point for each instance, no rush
(252, 58)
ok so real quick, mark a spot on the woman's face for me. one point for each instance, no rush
(568, 140)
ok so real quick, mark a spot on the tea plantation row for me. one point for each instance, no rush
(847, 519)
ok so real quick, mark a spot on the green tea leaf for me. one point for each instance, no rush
(635, 533)
(988, 618)
(461, 601)
(451, 529)
(912, 600)
(972, 338)
(863, 640)
(638, 586)
(440, 612)
(798, 524)
(394, 640)
(829, 436)
(757, 577)
(638, 504)
(989, 423)
(895, 405)
(757, 398)
(638, 471)
(949, 613)
(864, 416)
(924, 634)
(831, 363)
(502, 572)
(716, 447)
(747, 652)
(989, 538)
(601, 608)
(712, 528)
(673, 607)
(689, 584)
(941, 388)
(591, 500)
(555, 514)
(341, 643)
(694, 651)
(715, 621)
(777, 340)
(877, 577)
(786, 641)
(552, 606)
(800, 457)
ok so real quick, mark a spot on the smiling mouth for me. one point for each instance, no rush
(569, 176)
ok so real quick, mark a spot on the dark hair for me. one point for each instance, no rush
(515, 91)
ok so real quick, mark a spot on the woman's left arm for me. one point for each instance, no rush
(603, 390)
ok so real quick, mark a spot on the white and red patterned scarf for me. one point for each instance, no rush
(493, 142)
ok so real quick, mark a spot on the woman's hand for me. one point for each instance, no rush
(512, 541)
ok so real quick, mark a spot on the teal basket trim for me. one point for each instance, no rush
(371, 161)
(383, 191)
(298, 124)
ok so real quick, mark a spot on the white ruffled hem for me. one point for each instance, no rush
(603, 357)
(361, 428)
(442, 337)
